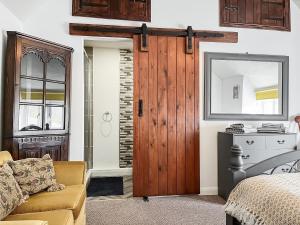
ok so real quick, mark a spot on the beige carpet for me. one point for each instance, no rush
(188, 210)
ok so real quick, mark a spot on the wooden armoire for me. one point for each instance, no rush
(36, 97)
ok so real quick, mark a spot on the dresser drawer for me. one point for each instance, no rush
(250, 142)
(254, 156)
(281, 142)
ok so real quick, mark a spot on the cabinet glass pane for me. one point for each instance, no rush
(32, 66)
(31, 91)
(30, 118)
(55, 117)
(56, 70)
(55, 93)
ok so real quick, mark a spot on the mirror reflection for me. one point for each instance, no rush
(54, 118)
(30, 118)
(246, 87)
(55, 93)
(31, 91)
(56, 70)
(32, 66)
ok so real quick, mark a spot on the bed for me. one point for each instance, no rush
(269, 186)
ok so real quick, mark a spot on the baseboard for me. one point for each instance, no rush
(111, 172)
(209, 191)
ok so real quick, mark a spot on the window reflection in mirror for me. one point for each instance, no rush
(246, 87)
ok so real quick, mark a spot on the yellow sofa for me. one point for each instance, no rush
(66, 207)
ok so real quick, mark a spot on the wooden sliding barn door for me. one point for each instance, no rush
(166, 119)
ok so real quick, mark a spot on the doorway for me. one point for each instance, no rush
(109, 115)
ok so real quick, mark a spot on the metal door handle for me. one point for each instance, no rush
(250, 142)
(281, 142)
(245, 156)
(141, 108)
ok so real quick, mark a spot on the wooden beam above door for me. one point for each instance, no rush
(129, 31)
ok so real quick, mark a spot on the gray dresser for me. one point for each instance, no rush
(256, 147)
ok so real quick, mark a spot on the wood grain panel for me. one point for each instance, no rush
(163, 114)
(262, 14)
(153, 123)
(189, 120)
(137, 176)
(242, 11)
(144, 120)
(249, 11)
(172, 155)
(181, 161)
(166, 144)
(197, 115)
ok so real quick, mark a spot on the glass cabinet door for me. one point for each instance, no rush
(42, 94)
(32, 66)
(56, 70)
(31, 91)
(55, 95)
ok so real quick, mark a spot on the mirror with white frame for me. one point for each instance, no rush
(246, 87)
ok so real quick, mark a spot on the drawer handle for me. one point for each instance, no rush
(281, 142)
(250, 142)
(245, 156)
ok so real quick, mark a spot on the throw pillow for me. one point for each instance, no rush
(35, 175)
(10, 192)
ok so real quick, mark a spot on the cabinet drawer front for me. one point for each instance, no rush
(254, 156)
(250, 142)
(281, 142)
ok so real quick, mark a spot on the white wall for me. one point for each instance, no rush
(249, 97)
(52, 21)
(7, 22)
(106, 73)
(216, 93)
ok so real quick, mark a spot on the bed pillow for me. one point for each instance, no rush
(35, 175)
(10, 192)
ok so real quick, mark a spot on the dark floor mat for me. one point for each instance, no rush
(105, 186)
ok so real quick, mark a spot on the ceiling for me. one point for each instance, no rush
(22, 9)
(119, 43)
(260, 74)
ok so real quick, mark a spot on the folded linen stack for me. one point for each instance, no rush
(271, 128)
(240, 128)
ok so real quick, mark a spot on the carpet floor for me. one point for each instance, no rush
(186, 210)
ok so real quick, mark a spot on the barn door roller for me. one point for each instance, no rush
(189, 41)
(144, 38)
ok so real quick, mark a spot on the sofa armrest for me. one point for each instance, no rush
(70, 173)
(24, 222)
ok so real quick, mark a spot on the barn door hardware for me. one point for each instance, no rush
(144, 38)
(144, 32)
(190, 40)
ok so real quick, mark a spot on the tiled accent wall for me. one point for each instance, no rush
(126, 108)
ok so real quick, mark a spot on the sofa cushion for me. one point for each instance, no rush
(4, 156)
(10, 193)
(24, 222)
(72, 198)
(35, 175)
(56, 217)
